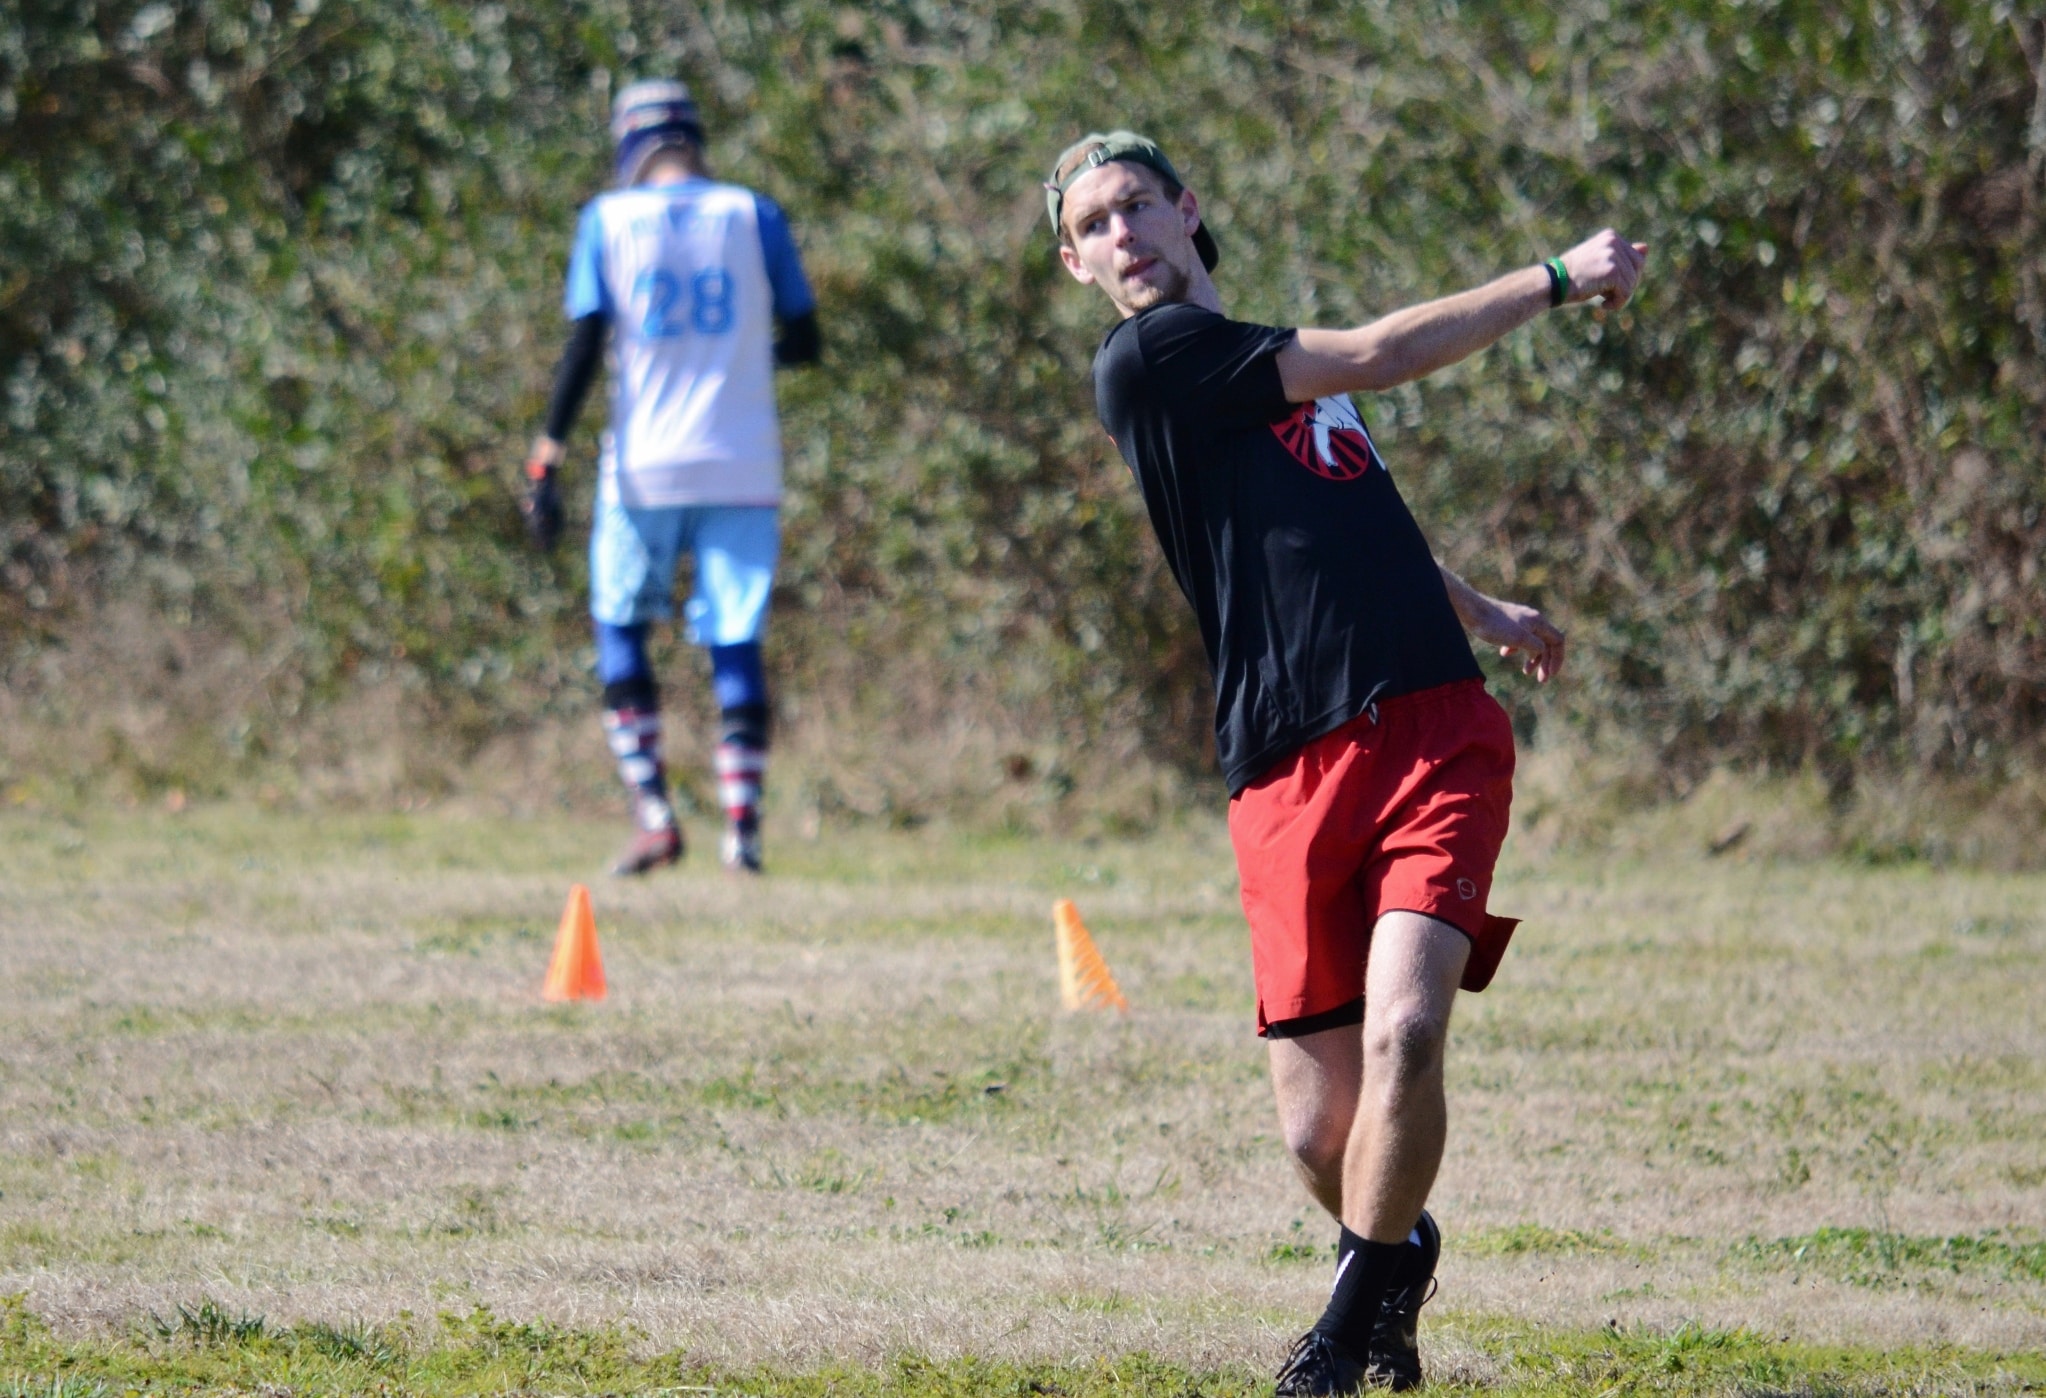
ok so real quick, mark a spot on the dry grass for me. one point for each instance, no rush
(298, 1065)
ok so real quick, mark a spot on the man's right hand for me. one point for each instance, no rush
(542, 505)
(1604, 264)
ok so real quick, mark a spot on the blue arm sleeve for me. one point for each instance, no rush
(792, 295)
(586, 293)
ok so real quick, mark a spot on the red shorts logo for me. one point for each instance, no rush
(1327, 437)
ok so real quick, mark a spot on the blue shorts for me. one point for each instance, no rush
(634, 553)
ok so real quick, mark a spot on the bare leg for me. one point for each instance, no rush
(1363, 1113)
(1396, 1141)
(1317, 1079)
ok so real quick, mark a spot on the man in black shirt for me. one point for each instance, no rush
(1369, 773)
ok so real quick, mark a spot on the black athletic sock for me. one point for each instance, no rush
(1363, 1270)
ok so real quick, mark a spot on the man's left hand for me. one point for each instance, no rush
(1521, 631)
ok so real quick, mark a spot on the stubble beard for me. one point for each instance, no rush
(1142, 296)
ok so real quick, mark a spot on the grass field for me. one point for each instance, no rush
(280, 1109)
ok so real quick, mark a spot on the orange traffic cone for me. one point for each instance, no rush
(1084, 981)
(577, 970)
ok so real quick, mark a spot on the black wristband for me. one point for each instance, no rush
(1559, 282)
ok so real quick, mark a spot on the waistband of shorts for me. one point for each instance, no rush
(1368, 716)
(1435, 696)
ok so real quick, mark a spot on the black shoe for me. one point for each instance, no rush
(1318, 1366)
(1395, 1359)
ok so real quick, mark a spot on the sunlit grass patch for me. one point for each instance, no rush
(371, 1346)
(1535, 1239)
(474, 934)
(55, 1386)
(1874, 1258)
(340, 1100)
(208, 1324)
(474, 1211)
(1692, 1359)
(337, 1226)
(209, 1349)
(828, 1172)
(1300, 1245)
(896, 1095)
(26, 1243)
(1975, 1072)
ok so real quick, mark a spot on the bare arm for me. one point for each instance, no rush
(1512, 627)
(1415, 342)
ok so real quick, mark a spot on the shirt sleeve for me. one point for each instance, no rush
(587, 293)
(1200, 365)
(792, 295)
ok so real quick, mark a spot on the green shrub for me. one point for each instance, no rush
(281, 297)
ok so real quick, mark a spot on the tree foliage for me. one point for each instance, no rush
(280, 296)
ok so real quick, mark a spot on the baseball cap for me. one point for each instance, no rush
(648, 115)
(1120, 145)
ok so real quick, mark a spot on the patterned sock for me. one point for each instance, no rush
(742, 763)
(635, 739)
(1363, 1269)
(740, 767)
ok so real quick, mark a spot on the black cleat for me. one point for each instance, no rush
(1395, 1360)
(1318, 1366)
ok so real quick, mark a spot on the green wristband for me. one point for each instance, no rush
(1559, 282)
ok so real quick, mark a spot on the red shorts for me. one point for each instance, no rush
(1405, 813)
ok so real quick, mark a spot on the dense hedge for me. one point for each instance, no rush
(278, 302)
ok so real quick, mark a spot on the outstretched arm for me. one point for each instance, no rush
(1514, 628)
(1415, 342)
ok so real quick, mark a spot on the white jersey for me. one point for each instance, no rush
(691, 277)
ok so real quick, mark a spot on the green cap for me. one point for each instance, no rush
(1119, 145)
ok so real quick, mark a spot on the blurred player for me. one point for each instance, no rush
(1369, 772)
(688, 279)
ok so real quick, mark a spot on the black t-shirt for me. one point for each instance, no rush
(1316, 592)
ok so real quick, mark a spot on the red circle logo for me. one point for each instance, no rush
(1327, 436)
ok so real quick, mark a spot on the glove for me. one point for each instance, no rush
(542, 506)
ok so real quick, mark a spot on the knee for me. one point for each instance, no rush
(1404, 1041)
(621, 654)
(737, 678)
(1317, 1140)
